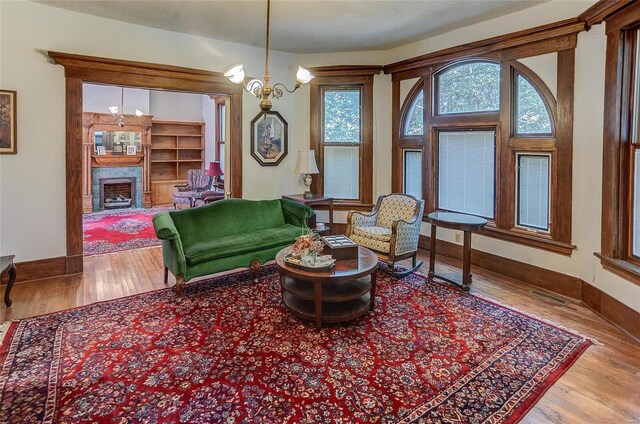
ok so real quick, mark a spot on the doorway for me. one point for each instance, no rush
(86, 69)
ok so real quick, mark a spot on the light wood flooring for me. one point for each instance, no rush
(603, 386)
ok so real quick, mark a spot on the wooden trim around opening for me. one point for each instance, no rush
(88, 69)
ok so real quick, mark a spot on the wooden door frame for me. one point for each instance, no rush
(87, 69)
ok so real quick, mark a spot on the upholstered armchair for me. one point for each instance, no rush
(391, 230)
(198, 181)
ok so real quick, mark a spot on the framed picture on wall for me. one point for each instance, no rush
(8, 125)
(269, 138)
(131, 150)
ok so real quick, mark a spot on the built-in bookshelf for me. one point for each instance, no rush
(176, 147)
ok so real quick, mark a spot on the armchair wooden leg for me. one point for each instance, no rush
(255, 267)
(179, 287)
(166, 276)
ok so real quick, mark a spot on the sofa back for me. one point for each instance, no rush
(227, 217)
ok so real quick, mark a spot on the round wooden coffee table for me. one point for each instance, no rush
(344, 293)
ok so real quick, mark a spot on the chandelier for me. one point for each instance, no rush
(261, 89)
(118, 113)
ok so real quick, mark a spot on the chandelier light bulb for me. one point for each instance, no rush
(304, 75)
(235, 74)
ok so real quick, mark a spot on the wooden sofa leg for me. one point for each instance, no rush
(255, 267)
(166, 276)
(179, 287)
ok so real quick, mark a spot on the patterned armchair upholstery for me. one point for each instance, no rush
(391, 230)
(198, 181)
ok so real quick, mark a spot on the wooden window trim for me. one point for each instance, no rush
(617, 162)
(349, 81)
(219, 102)
(559, 144)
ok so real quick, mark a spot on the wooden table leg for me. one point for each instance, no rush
(466, 261)
(372, 301)
(317, 297)
(432, 251)
(12, 279)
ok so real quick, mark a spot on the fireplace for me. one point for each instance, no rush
(117, 193)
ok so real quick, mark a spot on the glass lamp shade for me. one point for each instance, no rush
(235, 74)
(139, 112)
(113, 109)
(306, 163)
(214, 169)
(304, 75)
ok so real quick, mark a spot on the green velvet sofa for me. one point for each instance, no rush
(227, 234)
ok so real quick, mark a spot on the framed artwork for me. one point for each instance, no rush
(269, 138)
(131, 150)
(8, 125)
(100, 150)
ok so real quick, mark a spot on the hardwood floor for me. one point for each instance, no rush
(603, 386)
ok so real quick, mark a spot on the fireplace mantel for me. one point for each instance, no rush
(92, 122)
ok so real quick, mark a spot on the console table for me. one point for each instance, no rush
(454, 221)
(316, 200)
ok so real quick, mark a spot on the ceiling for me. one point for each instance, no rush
(303, 26)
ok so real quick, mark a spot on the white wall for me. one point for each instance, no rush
(98, 98)
(35, 229)
(174, 106)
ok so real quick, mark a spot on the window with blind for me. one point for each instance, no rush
(635, 146)
(341, 135)
(341, 139)
(533, 191)
(487, 132)
(466, 172)
(413, 173)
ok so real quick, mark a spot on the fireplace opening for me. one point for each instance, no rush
(117, 193)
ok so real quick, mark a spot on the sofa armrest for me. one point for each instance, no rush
(164, 227)
(296, 213)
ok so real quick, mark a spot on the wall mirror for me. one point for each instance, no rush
(116, 141)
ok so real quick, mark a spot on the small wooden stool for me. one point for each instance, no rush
(6, 265)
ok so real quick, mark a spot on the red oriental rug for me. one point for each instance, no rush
(123, 229)
(230, 352)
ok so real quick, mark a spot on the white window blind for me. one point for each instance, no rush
(533, 191)
(342, 172)
(413, 173)
(466, 161)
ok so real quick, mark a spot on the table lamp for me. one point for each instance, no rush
(306, 164)
(214, 171)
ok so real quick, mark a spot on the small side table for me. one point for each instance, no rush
(316, 200)
(6, 265)
(454, 221)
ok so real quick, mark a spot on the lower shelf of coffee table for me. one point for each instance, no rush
(331, 291)
(331, 311)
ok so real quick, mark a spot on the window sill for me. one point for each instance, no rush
(624, 269)
(537, 241)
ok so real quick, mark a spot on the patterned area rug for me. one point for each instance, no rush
(230, 352)
(113, 231)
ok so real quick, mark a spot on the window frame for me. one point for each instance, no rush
(616, 255)
(333, 79)
(558, 144)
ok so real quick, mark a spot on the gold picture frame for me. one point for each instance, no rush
(8, 122)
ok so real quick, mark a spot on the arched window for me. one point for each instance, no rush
(531, 113)
(414, 121)
(482, 155)
(468, 88)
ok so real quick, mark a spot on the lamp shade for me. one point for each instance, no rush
(306, 163)
(235, 74)
(304, 75)
(214, 169)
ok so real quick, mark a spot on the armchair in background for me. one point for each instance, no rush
(198, 181)
(391, 230)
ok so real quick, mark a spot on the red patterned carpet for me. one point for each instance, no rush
(113, 231)
(229, 352)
